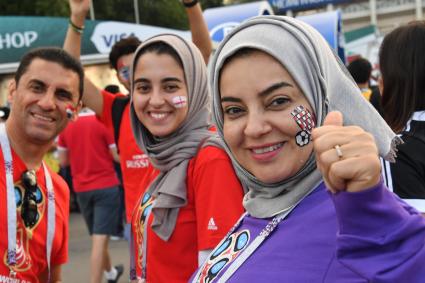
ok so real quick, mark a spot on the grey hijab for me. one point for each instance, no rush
(171, 154)
(327, 86)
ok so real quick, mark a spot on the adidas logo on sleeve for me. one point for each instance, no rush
(211, 224)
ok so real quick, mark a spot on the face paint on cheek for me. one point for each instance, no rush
(179, 101)
(124, 73)
(70, 112)
(305, 120)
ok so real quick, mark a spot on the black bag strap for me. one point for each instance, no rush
(118, 107)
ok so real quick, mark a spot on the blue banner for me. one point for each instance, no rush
(222, 20)
(329, 26)
(284, 5)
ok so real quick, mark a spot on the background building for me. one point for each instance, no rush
(364, 23)
(385, 14)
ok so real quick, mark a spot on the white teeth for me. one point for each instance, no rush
(267, 149)
(48, 119)
(158, 115)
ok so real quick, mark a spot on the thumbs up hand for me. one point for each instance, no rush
(347, 156)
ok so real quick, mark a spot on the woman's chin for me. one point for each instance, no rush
(270, 177)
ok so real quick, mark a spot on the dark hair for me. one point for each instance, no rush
(56, 55)
(4, 112)
(360, 69)
(159, 48)
(114, 89)
(402, 64)
(123, 47)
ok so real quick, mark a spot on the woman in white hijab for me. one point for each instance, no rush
(196, 197)
(317, 210)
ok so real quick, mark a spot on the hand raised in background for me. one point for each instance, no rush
(79, 10)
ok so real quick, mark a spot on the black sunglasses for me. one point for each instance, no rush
(29, 211)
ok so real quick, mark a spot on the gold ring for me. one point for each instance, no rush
(338, 151)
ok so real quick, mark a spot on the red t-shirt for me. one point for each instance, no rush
(134, 163)
(31, 256)
(214, 197)
(88, 144)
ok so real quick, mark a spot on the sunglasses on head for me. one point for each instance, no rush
(124, 73)
(29, 211)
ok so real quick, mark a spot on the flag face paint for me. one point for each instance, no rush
(179, 101)
(304, 120)
(70, 112)
(124, 73)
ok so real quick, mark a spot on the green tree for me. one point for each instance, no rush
(211, 3)
(114, 10)
(55, 8)
(165, 13)
(169, 13)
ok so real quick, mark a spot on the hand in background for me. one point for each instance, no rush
(79, 10)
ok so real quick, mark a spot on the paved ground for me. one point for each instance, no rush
(77, 270)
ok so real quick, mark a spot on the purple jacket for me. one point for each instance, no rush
(370, 236)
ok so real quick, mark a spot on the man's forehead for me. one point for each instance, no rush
(40, 64)
(51, 72)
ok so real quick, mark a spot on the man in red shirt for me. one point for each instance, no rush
(88, 147)
(113, 110)
(34, 206)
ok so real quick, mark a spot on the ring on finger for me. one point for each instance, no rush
(338, 151)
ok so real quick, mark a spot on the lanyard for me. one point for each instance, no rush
(133, 273)
(250, 249)
(11, 205)
(145, 242)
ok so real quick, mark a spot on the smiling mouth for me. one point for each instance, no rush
(42, 118)
(158, 116)
(267, 149)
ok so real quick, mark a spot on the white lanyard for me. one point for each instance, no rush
(11, 205)
(250, 249)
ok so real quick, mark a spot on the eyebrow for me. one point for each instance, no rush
(230, 99)
(274, 87)
(36, 81)
(141, 80)
(172, 79)
(262, 93)
(62, 90)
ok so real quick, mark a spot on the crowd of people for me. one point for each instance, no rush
(276, 165)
